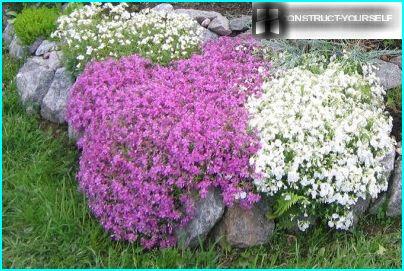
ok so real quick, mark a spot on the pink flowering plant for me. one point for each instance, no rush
(154, 135)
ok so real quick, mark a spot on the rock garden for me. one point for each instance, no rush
(189, 130)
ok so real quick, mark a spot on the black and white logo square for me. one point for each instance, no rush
(268, 20)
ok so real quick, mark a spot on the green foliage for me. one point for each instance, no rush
(11, 14)
(392, 44)
(393, 101)
(33, 23)
(314, 54)
(96, 32)
(284, 203)
(72, 6)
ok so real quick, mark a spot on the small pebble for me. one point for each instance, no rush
(205, 22)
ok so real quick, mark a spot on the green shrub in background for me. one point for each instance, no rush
(72, 6)
(33, 23)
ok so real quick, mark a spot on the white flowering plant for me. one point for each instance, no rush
(98, 31)
(324, 134)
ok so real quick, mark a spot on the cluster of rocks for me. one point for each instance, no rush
(13, 43)
(214, 23)
(389, 202)
(44, 84)
(241, 228)
(235, 226)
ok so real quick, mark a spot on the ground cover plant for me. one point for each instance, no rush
(99, 31)
(39, 166)
(311, 164)
(33, 23)
(324, 135)
(157, 134)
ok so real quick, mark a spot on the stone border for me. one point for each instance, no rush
(43, 84)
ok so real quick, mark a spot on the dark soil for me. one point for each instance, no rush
(397, 118)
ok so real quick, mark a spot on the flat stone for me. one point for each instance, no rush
(208, 212)
(54, 103)
(394, 197)
(34, 46)
(45, 47)
(396, 60)
(205, 23)
(388, 73)
(8, 35)
(240, 24)
(33, 81)
(164, 7)
(51, 60)
(220, 25)
(243, 228)
(17, 50)
(198, 15)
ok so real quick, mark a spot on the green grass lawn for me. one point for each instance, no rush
(46, 222)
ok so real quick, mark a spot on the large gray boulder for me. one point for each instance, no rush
(198, 15)
(388, 167)
(220, 25)
(208, 212)
(240, 24)
(51, 60)
(54, 103)
(388, 73)
(8, 35)
(388, 162)
(217, 22)
(17, 50)
(394, 199)
(361, 206)
(45, 47)
(396, 60)
(243, 228)
(33, 81)
(208, 35)
(164, 7)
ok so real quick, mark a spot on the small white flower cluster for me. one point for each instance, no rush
(323, 136)
(303, 225)
(98, 31)
(341, 222)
